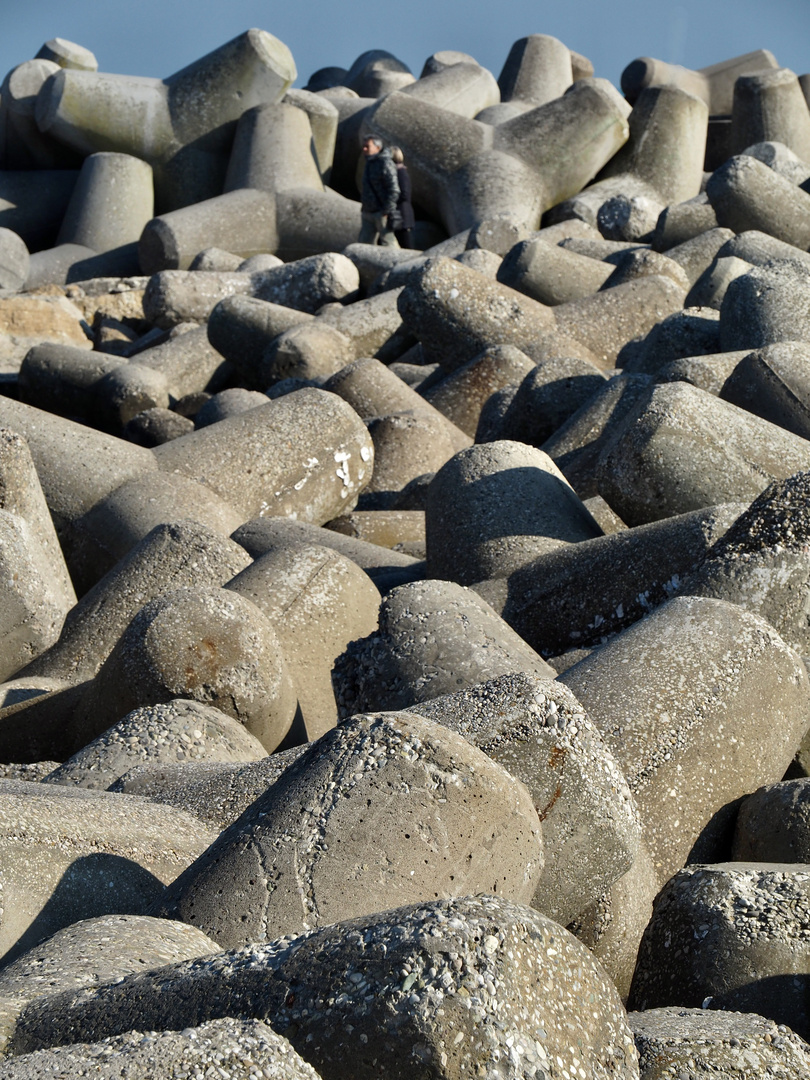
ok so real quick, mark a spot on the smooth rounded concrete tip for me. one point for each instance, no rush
(636, 76)
(274, 52)
(157, 248)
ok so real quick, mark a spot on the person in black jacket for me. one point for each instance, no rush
(404, 220)
(380, 194)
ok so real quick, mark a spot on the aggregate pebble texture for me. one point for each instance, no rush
(675, 1043)
(232, 1048)
(217, 794)
(174, 731)
(346, 502)
(475, 986)
(729, 936)
(95, 951)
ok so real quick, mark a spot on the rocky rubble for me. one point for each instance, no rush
(403, 650)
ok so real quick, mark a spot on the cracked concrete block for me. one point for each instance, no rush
(447, 821)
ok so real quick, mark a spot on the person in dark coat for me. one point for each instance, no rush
(380, 194)
(404, 220)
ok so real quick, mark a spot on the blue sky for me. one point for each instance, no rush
(158, 37)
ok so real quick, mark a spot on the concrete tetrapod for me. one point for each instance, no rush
(216, 793)
(537, 70)
(76, 465)
(496, 507)
(173, 732)
(318, 601)
(94, 951)
(714, 84)
(457, 313)
(745, 913)
(660, 163)
(307, 453)
(579, 595)
(761, 562)
(170, 556)
(772, 823)
(688, 449)
(206, 644)
(772, 382)
(181, 125)
(454, 171)
(704, 677)
(770, 106)
(233, 1044)
(285, 871)
(435, 637)
(111, 203)
(62, 847)
(463, 394)
(726, 1044)
(544, 984)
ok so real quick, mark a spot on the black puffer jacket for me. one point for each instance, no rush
(380, 184)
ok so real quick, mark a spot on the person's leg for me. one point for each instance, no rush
(387, 238)
(368, 229)
(405, 238)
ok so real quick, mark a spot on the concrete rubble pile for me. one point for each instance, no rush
(402, 651)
